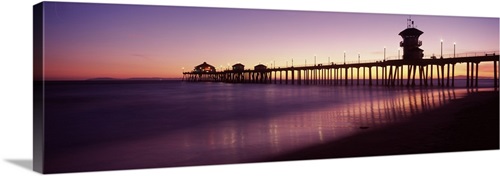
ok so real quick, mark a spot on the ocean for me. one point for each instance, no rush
(103, 125)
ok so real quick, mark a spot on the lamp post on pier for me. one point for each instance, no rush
(454, 47)
(344, 57)
(314, 60)
(359, 61)
(441, 48)
(384, 53)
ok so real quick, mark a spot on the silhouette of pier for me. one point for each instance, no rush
(392, 72)
(386, 73)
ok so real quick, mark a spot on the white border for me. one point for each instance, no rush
(16, 95)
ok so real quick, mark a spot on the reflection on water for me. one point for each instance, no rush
(251, 140)
(332, 123)
(263, 122)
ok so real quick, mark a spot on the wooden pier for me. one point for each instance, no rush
(391, 73)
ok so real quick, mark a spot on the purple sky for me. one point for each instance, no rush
(121, 41)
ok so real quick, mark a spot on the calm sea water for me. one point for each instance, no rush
(101, 125)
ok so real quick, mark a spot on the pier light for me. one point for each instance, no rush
(183, 69)
(315, 60)
(454, 47)
(344, 57)
(359, 61)
(384, 53)
(441, 48)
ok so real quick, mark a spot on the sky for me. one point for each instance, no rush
(83, 41)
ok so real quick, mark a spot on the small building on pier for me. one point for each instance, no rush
(410, 43)
(204, 68)
(238, 67)
(260, 67)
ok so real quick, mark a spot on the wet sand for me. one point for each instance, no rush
(467, 124)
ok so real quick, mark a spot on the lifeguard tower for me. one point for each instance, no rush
(410, 43)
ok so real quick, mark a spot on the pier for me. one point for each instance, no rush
(396, 72)
(384, 73)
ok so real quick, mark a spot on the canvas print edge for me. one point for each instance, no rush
(38, 93)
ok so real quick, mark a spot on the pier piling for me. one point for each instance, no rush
(392, 73)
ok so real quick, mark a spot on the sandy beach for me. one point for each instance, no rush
(466, 124)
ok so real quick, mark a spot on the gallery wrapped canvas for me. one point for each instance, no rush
(142, 86)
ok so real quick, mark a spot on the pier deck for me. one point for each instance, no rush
(392, 73)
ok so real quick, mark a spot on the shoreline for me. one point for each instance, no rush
(467, 124)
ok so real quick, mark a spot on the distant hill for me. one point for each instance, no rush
(101, 79)
(152, 78)
(131, 79)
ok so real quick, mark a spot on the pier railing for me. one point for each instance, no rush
(376, 72)
(465, 54)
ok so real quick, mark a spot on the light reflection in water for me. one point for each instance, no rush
(237, 140)
(246, 141)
